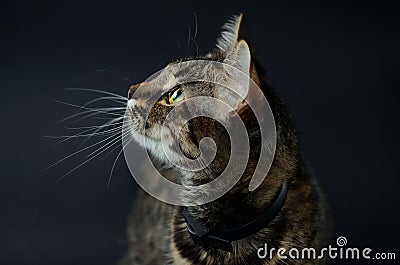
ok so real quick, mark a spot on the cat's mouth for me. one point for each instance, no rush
(139, 129)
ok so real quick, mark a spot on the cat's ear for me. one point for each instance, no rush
(236, 61)
(234, 45)
(241, 85)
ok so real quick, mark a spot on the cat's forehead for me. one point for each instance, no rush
(181, 72)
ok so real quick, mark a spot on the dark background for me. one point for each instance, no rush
(336, 64)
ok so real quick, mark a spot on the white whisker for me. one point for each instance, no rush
(92, 113)
(96, 91)
(93, 127)
(83, 163)
(110, 143)
(189, 34)
(93, 116)
(115, 161)
(107, 123)
(79, 151)
(124, 134)
(81, 107)
(109, 131)
(112, 131)
(114, 99)
(195, 27)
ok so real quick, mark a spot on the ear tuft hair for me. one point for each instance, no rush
(229, 34)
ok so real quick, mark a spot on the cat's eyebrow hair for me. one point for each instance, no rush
(182, 85)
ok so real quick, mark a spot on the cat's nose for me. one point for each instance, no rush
(131, 91)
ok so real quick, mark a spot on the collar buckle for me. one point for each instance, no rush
(201, 234)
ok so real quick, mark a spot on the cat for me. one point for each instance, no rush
(160, 233)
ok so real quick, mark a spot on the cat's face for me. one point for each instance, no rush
(242, 129)
(150, 102)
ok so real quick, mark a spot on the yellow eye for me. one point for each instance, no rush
(176, 96)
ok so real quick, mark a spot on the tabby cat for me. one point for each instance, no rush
(289, 201)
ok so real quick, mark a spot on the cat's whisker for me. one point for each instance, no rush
(78, 166)
(101, 118)
(115, 161)
(107, 146)
(92, 113)
(121, 104)
(101, 110)
(106, 132)
(89, 159)
(195, 25)
(110, 143)
(195, 34)
(126, 135)
(113, 99)
(93, 116)
(79, 134)
(109, 123)
(107, 111)
(69, 137)
(112, 150)
(93, 127)
(197, 46)
(79, 151)
(96, 91)
(189, 34)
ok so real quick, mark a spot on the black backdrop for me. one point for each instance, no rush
(336, 65)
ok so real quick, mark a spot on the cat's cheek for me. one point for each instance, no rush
(131, 103)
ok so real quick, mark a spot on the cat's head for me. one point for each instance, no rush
(150, 102)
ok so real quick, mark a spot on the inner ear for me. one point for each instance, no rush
(240, 57)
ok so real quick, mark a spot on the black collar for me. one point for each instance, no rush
(221, 239)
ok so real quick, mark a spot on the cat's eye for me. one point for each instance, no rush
(175, 96)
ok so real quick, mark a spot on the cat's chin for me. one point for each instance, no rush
(153, 146)
(141, 139)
